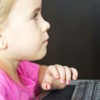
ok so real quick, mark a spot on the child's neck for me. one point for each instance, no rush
(10, 67)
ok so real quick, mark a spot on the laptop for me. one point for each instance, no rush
(78, 90)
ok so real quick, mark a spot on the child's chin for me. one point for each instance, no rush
(41, 57)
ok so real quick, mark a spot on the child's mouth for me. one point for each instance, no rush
(45, 41)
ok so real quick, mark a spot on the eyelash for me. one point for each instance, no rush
(34, 17)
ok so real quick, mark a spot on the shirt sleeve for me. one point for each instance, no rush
(31, 71)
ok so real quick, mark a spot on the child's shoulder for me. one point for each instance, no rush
(27, 68)
(3, 84)
(27, 64)
(3, 78)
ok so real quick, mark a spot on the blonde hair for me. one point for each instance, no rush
(5, 8)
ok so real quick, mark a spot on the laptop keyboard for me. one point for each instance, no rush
(87, 90)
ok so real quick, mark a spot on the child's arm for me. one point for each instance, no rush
(56, 76)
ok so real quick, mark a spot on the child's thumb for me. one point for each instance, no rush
(46, 86)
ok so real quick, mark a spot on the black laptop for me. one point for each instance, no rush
(83, 90)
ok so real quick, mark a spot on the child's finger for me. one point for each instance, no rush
(52, 71)
(46, 86)
(47, 81)
(75, 73)
(68, 75)
(62, 73)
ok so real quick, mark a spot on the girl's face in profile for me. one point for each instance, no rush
(26, 33)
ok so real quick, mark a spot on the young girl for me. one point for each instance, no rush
(24, 38)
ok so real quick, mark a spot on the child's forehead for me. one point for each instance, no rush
(29, 3)
(23, 8)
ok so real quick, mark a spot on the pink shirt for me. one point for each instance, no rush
(28, 72)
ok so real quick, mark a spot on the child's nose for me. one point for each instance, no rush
(46, 26)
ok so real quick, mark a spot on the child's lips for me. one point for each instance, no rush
(46, 40)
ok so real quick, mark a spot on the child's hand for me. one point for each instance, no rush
(57, 77)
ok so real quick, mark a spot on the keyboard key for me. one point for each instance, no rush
(96, 95)
(89, 90)
(80, 90)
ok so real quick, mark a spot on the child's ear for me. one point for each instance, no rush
(3, 43)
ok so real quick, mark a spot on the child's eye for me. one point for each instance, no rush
(35, 16)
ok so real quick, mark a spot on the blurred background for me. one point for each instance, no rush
(74, 35)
